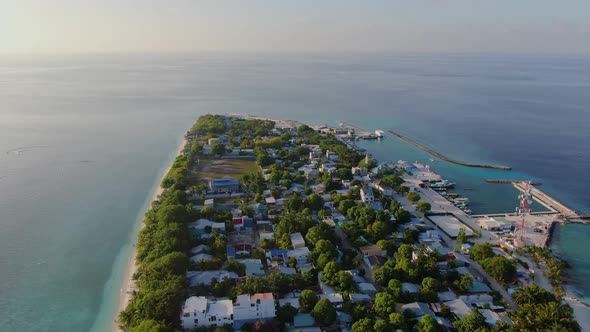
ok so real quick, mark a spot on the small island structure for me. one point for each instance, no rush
(280, 226)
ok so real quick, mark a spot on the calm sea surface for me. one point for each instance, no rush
(84, 140)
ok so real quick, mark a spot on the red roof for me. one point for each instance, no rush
(261, 296)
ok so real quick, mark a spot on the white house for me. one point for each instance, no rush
(250, 308)
(198, 311)
(297, 240)
(201, 224)
(360, 171)
(367, 195)
(206, 277)
(385, 190)
(300, 254)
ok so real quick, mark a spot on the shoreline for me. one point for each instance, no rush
(128, 285)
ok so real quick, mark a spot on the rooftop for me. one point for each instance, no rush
(195, 303)
(224, 182)
(221, 308)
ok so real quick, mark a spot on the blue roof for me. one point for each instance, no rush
(231, 251)
(479, 287)
(225, 182)
(278, 252)
(303, 320)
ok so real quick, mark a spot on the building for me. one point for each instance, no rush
(408, 287)
(199, 228)
(367, 195)
(367, 288)
(385, 190)
(360, 171)
(254, 267)
(206, 277)
(459, 307)
(300, 254)
(198, 311)
(334, 298)
(297, 240)
(224, 186)
(359, 298)
(419, 309)
(495, 224)
(250, 308)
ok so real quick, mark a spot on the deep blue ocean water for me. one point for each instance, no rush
(84, 140)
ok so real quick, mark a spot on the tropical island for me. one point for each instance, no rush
(269, 225)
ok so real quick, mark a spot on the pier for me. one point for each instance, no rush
(502, 181)
(551, 203)
(359, 132)
(436, 154)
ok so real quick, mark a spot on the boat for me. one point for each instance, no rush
(444, 184)
(468, 211)
(379, 133)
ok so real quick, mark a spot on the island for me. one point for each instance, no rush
(272, 225)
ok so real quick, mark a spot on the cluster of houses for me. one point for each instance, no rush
(249, 232)
(198, 311)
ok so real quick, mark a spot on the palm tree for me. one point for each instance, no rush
(532, 295)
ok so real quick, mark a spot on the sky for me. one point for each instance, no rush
(186, 26)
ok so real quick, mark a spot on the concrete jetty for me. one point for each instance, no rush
(503, 181)
(359, 132)
(436, 154)
(549, 202)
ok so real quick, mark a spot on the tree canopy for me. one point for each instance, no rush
(324, 312)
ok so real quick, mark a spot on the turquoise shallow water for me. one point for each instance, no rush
(83, 141)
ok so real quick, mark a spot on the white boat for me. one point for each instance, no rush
(444, 184)
(379, 133)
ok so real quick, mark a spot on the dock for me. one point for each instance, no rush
(359, 132)
(503, 181)
(438, 155)
(551, 203)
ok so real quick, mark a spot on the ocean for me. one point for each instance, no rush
(84, 141)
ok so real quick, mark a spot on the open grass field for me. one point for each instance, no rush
(222, 169)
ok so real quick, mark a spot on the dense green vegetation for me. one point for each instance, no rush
(539, 310)
(161, 248)
(209, 124)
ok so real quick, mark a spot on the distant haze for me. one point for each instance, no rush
(181, 26)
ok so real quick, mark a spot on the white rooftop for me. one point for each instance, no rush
(195, 304)
(221, 308)
(450, 225)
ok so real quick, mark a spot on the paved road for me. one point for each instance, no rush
(478, 271)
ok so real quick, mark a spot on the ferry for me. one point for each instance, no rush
(379, 133)
(444, 184)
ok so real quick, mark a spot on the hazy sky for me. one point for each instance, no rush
(122, 26)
